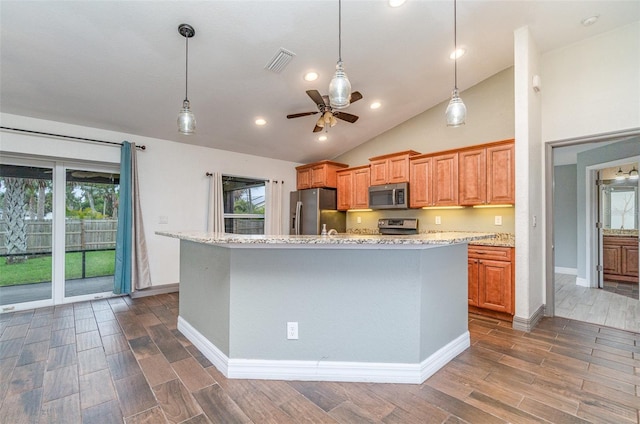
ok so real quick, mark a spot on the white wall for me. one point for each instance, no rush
(171, 176)
(530, 264)
(593, 86)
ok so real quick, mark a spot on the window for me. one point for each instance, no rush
(244, 201)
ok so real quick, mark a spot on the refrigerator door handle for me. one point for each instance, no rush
(297, 217)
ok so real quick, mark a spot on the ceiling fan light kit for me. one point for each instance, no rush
(186, 118)
(456, 112)
(340, 87)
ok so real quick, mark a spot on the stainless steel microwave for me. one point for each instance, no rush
(389, 196)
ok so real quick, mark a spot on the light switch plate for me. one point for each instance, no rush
(438, 220)
(498, 220)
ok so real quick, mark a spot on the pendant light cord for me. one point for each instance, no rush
(455, 45)
(339, 30)
(186, 69)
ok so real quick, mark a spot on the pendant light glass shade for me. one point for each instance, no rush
(456, 112)
(339, 89)
(186, 118)
(620, 175)
(633, 174)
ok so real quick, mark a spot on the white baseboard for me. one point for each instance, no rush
(582, 282)
(154, 290)
(568, 271)
(370, 372)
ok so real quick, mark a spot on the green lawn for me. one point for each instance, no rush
(37, 270)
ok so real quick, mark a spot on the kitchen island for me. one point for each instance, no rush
(367, 307)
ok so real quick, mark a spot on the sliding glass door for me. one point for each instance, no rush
(57, 232)
(91, 221)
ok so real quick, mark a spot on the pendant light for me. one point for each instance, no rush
(340, 87)
(620, 175)
(633, 174)
(186, 119)
(456, 110)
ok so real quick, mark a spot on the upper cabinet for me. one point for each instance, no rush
(487, 174)
(433, 180)
(318, 174)
(353, 188)
(392, 168)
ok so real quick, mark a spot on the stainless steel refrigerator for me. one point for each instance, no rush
(311, 208)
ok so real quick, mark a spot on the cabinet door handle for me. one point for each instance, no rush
(479, 262)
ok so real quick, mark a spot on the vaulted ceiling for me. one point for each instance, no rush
(120, 65)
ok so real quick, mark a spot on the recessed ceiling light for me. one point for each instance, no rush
(375, 105)
(396, 3)
(260, 121)
(310, 76)
(457, 53)
(590, 20)
(322, 138)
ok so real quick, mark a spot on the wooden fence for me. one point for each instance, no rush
(87, 234)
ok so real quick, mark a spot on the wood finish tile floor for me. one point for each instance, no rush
(623, 288)
(122, 360)
(595, 306)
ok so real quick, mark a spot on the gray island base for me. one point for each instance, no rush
(368, 308)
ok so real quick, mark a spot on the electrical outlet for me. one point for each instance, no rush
(292, 330)
(163, 219)
(497, 220)
(438, 220)
(359, 220)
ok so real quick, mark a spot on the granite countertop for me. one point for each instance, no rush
(498, 239)
(440, 238)
(620, 233)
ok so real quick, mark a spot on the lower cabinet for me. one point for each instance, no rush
(491, 281)
(620, 258)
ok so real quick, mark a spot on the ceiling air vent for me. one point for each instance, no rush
(280, 60)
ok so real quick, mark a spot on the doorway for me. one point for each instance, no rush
(58, 224)
(572, 277)
(618, 229)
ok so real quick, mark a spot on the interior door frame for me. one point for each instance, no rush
(549, 179)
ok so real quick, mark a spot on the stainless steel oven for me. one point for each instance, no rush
(389, 196)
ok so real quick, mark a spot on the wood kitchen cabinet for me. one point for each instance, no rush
(420, 182)
(318, 174)
(487, 174)
(353, 188)
(620, 258)
(391, 169)
(433, 180)
(491, 281)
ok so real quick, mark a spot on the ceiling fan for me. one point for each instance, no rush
(328, 117)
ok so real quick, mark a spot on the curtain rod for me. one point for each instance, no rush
(142, 147)
(210, 174)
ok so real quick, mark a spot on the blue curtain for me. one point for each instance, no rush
(122, 275)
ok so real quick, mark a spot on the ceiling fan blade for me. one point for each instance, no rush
(298, 115)
(317, 129)
(316, 97)
(355, 96)
(346, 117)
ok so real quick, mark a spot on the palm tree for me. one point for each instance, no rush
(16, 237)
